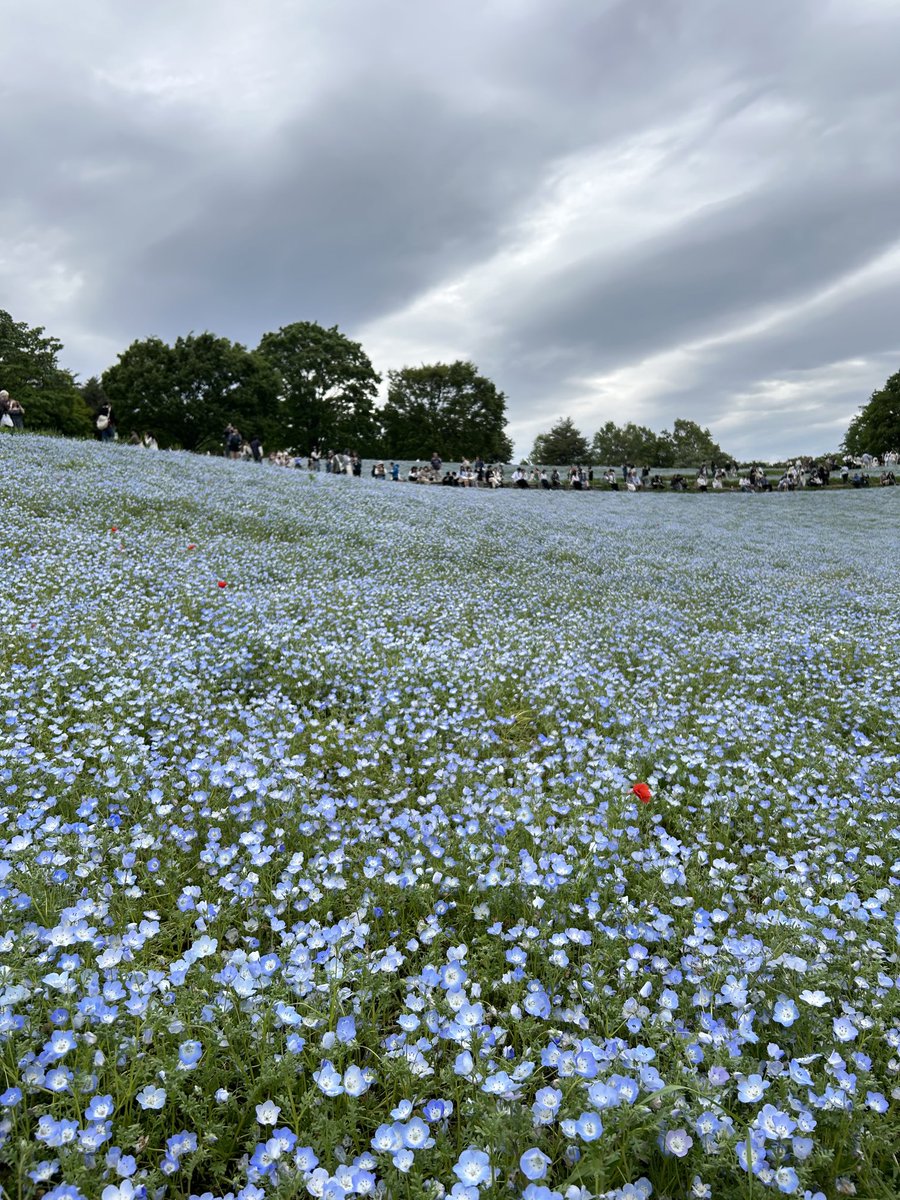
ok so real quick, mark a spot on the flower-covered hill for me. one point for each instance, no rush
(321, 872)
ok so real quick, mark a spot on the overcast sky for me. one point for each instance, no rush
(619, 209)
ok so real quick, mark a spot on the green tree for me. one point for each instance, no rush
(187, 393)
(561, 445)
(326, 388)
(29, 371)
(447, 407)
(688, 446)
(629, 443)
(876, 427)
(92, 394)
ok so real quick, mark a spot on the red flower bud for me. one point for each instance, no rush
(222, 583)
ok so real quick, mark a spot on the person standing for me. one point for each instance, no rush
(105, 422)
(17, 413)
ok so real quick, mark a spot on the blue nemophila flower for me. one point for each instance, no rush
(539, 1191)
(473, 1167)
(774, 1123)
(99, 1108)
(44, 1171)
(60, 1043)
(534, 1163)
(123, 1164)
(751, 1154)
(416, 1135)
(305, 1158)
(95, 1135)
(64, 1191)
(121, 1191)
(752, 1089)
(403, 1159)
(346, 1029)
(844, 1029)
(54, 1132)
(436, 1110)
(785, 1011)
(356, 1081)
(189, 1054)
(387, 1138)
(328, 1079)
(676, 1142)
(546, 1105)
(589, 1127)
(787, 1180)
(150, 1097)
(266, 1156)
(460, 1191)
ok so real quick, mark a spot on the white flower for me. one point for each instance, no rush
(816, 998)
(151, 1097)
(267, 1113)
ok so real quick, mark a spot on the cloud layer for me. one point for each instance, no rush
(620, 210)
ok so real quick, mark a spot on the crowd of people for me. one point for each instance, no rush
(800, 474)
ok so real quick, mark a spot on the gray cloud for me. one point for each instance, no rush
(618, 209)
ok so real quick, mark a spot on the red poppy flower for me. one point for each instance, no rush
(113, 529)
(192, 546)
(643, 793)
(222, 583)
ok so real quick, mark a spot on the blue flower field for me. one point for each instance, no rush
(321, 871)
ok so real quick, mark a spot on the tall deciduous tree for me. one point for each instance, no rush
(876, 427)
(92, 394)
(629, 443)
(447, 407)
(187, 393)
(29, 371)
(326, 388)
(562, 444)
(688, 446)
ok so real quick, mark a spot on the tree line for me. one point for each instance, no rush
(305, 385)
(687, 445)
